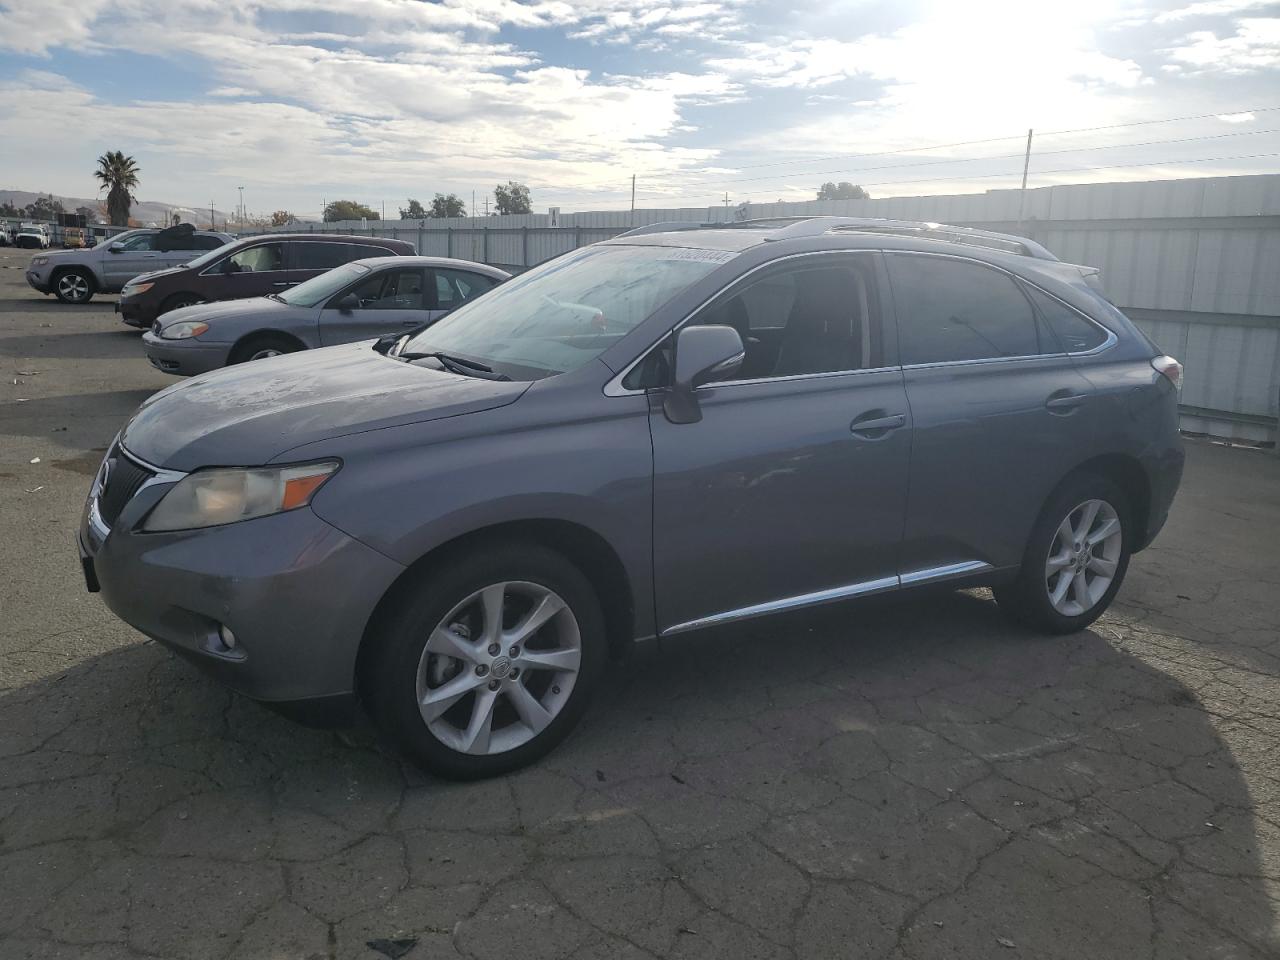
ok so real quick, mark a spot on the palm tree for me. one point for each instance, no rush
(119, 176)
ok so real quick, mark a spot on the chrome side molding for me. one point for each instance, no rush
(863, 588)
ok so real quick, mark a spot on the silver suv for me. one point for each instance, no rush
(675, 430)
(74, 276)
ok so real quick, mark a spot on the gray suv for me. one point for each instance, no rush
(680, 428)
(74, 276)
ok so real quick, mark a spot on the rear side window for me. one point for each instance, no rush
(204, 242)
(455, 287)
(952, 310)
(326, 256)
(1075, 334)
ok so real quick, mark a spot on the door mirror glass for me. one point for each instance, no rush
(226, 266)
(348, 303)
(116, 246)
(703, 354)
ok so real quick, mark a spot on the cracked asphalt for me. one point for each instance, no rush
(904, 780)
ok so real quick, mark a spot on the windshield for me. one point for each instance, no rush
(207, 258)
(568, 311)
(310, 292)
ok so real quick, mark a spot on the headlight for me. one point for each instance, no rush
(210, 498)
(183, 330)
(39, 261)
(131, 288)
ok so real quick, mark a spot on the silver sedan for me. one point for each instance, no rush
(360, 300)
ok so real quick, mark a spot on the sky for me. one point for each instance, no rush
(302, 101)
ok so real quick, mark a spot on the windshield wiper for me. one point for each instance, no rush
(470, 368)
(276, 296)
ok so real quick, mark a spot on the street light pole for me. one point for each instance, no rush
(241, 189)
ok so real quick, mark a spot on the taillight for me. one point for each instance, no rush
(1170, 369)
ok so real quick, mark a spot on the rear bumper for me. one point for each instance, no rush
(184, 358)
(296, 592)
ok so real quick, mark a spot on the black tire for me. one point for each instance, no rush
(389, 680)
(263, 346)
(1027, 599)
(74, 286)
(177, 301)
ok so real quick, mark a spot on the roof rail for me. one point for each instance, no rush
(664, 226)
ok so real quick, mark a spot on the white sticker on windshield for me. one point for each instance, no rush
(703, 256)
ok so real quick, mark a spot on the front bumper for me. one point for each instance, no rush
(39, 282)
(136, 311)
(296, 592)
(184, 358)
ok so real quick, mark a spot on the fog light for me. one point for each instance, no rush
(228, 638)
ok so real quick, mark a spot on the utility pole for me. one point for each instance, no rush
(726, 204)
(324, 208)
(473, 203)
(241, 207)
(486, 204)
(213, 225)
(384, 209)
(1022, 196)
(633, 200)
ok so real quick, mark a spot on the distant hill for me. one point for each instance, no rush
(145, 211)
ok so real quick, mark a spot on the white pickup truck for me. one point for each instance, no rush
(32, 235)
(74, 276)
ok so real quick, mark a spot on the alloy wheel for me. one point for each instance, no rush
(264, 353)
(1083, 557)
(73, 287)
(499, 668)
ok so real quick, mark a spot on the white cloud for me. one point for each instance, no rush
(1255, 46)
(1210, 8)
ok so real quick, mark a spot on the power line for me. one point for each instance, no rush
(1014, 173)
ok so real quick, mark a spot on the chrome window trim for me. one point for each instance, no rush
(614, 387)
(860, 589)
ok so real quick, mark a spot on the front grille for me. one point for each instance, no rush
(124, 478)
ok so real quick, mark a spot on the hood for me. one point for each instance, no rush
(248, 414)
(157, 274)
(209, 312)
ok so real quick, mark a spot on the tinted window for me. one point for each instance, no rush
(454, 287)
(802, 319)
(143, 241)
(258, 259)
(1073, 332)
(203, 241)
(326, 256)
(393, 290)
(952, 310)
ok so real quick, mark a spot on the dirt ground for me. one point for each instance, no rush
(895, 780)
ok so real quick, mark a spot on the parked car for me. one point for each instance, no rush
(32, 235)
(669, 431)
(74, 276)
(6, 235)
(360, 300)
(249, 267)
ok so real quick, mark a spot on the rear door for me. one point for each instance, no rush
(1000, 412)
(390, 300)
(310, 258)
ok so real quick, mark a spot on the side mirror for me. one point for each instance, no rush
(348, 303)
(116, 246)
(703, 355)
(226, 267)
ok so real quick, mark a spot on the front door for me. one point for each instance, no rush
(791, 490)
(137, 255)
(252, 271)
(1001, 414)
(390, 301)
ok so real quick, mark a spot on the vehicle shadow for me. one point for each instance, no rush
(921, 780)
(77, 421)
(28, 302)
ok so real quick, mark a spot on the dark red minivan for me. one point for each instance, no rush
(248, 267)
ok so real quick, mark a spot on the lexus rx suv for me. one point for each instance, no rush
(681, 428)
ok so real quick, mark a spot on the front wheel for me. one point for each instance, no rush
(74, 286)
(262, 347)
(489, 664)
(1075, 560)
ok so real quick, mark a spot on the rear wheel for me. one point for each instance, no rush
(490, 664)
(74, 286)
(1075, 560)
(259, 348)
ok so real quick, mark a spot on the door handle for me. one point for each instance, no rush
(1065, 403)
(411, 323)
(877, 424)
(282, 283)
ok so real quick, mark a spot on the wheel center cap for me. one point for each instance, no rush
(500, 668)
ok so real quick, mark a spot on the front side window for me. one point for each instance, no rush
(456, 287)
(258, 259)
(804, 317)
(393, 290)
(313, 291)
(566, 312)
(952, 310)
(142, 242)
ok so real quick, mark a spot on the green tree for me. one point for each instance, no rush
(450, 206)
(282, 218)
(348, 210)
(7, 209)
(512, 198)
(118, 175)
(844, 190)
(414, 211)
(43, 208)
